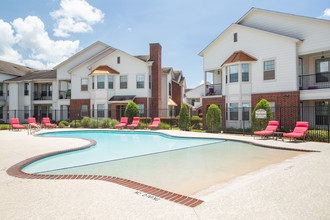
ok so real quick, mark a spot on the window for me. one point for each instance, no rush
(7, 89)
(50, 112)
(93, 111)
(170, 89)
(141, 108)
(93, 82)
(235, 37)
(109, 110)
(110, 82)
(84, 110)
(26, 112)
(100, 110)
(322, 113)
(26, 88)
(43, 89)
(43, 111)
(149, 81)
(272, 106)
(123, 82)
(233, 111)
(1, 89)
(322, 69)
(1, 112)
(226, 74)
(100, 82)
(246, 112)
(269, 69)
(118, 60)
(84, 84)
(233, 73)
(245, 72)
(140, 81)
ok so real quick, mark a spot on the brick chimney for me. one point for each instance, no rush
(156, 78)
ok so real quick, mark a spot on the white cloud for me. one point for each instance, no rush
(75, 16)
(31, 35)
(129, 29)
(326, 13)
(7, 41)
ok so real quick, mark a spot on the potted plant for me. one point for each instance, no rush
(68, 94)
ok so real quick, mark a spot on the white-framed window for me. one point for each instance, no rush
(272, 106)
(233, 73)
(1, 89)
(233, 115)
(26, 112)
(245, 112)
(84, 84)
(322, 69)
(109, 110)
(110, 82)
(100, 82)
(93, 82)
(140, 81)
(84, 110)
(141, 109)
(123, 82)
(269, 69)
(245, 72)
(100, 110)
(26, 88)
(170, 89)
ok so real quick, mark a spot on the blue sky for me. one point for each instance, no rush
(41, 33)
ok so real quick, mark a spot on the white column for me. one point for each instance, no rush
(205, 80)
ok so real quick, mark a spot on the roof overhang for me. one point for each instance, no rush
(122, 98)
(104, 70)
(170, 102)
(239, 56)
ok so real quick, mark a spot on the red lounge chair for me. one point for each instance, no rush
(47, 123)
(123, 122)
(299, 131)
(155, 123)
(271, 128)
(15, 124)
(135, 122)
(32, 122)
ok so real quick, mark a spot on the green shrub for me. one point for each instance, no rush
(163, 125)
(75, 124)
(196, 122)
(213, 118)
(132, 110)
(113, 122)
(4, 126)
(85, 122)
(105, 123)
(258, 123)
(184, 119)
(317, 135)
(143, 125)
(63, 124)
(93, 123)
(2, 122)
(170, 121)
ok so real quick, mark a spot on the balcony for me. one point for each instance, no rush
(44, 95)
(213, 89)
(64, 94)
(314, 81)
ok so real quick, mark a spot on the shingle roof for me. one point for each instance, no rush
(117, 98)
(144, 58)
(13, 69)
(104, 69)
(166, 69)
(239, 56)
(177, 75)
(36, 74)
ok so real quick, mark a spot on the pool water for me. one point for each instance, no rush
(181, 165)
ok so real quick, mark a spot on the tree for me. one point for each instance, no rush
(184, 120)
(261, 123)
(132, 110)
(213, 118)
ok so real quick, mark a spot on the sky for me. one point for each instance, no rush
(43, 33)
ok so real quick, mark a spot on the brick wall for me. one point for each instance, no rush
(75, 108)
(217, 101)
(177, 95)
(156, 74)
(286, 106)
(143, 101)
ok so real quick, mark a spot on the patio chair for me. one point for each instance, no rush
(155, 123)
(299, 131)
(47, 123)
(135, 122)
(15, 124)
(270, 129)
(32, 122)
(123, 122)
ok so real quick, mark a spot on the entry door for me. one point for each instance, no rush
(120, 111)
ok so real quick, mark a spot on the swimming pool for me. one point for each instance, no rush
(181, 165)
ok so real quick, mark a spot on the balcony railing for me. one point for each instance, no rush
(214, 89)
(64, 94)
(44, 95)
(314, 81)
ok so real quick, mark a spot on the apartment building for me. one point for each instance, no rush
(281, 57)
(99, 81)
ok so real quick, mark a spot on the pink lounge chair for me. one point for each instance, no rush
(155, 123)
(299, 131)
(47, 123)
(123, 122)
(32, 122)
(270, 129)
(135, 122)
(15, 124)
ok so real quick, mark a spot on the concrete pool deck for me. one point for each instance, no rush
(298, 188)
